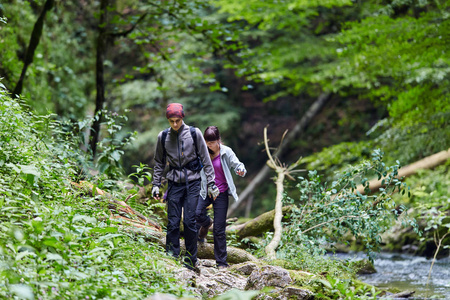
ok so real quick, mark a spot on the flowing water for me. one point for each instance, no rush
(407, 272)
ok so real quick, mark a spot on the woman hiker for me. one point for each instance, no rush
(223, 158)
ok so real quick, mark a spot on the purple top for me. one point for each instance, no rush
(221, 181)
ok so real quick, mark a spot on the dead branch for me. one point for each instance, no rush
(282, 172)
(118, 207)
(313, 110)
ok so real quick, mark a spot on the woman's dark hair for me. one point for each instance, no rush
(211, 134)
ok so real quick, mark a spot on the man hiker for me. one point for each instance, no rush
(184, 149)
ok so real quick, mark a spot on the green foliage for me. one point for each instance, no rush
(406, 144)
(325, 214)
(430, 197)
(234, 294)
(345, 289)
(61, 72)
(111, 146)
(143, 172)
(395, 57)
(56, 242)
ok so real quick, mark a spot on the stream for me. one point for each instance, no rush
(408, 272)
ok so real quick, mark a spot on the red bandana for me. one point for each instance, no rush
(174, 110)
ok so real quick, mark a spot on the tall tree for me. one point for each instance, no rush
(32, 45)
(99, 73)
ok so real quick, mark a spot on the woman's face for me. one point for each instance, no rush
(213, 147)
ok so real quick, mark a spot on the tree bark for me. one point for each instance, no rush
(259, 225)
(426, 163)
(205, 250)
(315, 108)
(32, 45)
(278, 229)
(99, 76)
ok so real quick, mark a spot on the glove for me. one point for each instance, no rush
(213, 190)
(155, 192)
(241, 172)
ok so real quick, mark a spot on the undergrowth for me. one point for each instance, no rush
(55, 241)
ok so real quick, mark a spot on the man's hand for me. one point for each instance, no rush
(213, 190)
(155, 192)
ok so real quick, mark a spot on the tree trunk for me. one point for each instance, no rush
(205, 250)
(99, 76)
(34, 42)
(257, 226)
(315, 108)
(273, 245)
(426, 163)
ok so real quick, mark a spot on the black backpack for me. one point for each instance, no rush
(196, 164)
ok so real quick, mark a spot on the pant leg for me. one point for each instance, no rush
(201, 213)
(175, 199)
(220, 217)
(189, 222)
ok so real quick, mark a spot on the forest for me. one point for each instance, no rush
(339, 110)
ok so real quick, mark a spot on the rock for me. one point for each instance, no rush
(213, 282)
(268, 276)
(363, 266)
(240, 279)
(404, 294)
(246, 268)
(296, 293)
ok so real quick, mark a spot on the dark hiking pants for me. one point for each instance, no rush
(182, 198)
(220, 206)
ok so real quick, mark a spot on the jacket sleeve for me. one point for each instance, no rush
(234, 162)
(160, 162)
(204, 157)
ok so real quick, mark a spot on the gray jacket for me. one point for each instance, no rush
(180, 150)
(228, 160)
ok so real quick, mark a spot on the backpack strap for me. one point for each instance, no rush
(163, 140)
(194, 137)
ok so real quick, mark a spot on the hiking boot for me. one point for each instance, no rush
(203, 232)
(195, 268)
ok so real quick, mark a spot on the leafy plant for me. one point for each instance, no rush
(344, 289)
(326, 214)
(143, 172)
(55, 241)
(111, 146)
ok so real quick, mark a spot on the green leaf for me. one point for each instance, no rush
(325, 282)
(54, 256)
(22, 291)
(84, 218)
(105, 230)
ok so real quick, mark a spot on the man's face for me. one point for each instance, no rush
(175, 123)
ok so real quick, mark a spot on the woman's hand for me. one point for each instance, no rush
(240, 172)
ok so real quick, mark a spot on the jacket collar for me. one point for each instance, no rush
(179, 130)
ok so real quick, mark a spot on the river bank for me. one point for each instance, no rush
(407, 272)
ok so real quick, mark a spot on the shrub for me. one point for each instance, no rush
(56, 243)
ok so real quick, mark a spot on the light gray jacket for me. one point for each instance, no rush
(180, 150)
(228, 160)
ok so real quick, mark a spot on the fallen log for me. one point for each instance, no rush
(259, 225)
(426, 163)
(204, 251)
